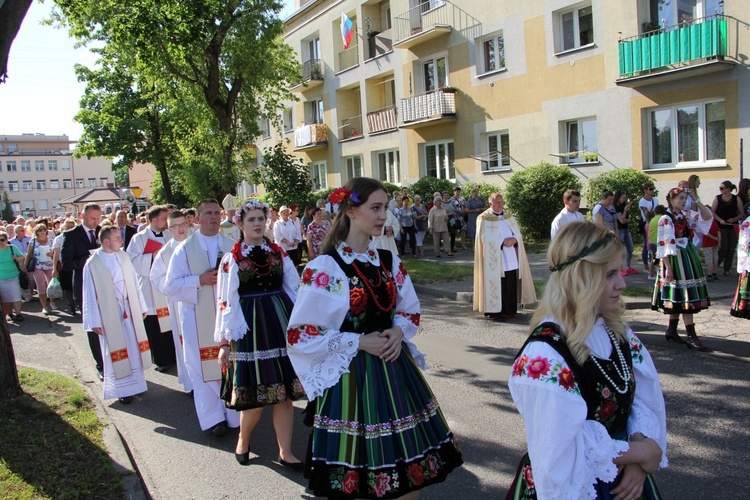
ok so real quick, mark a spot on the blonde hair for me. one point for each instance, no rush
(571, 296)
(40, 227)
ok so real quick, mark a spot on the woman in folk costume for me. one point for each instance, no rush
(680, 287)
(257, 285)
(741, 304)
(378, 430)
(590, 433)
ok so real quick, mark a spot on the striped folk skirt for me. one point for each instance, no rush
(379, 433)
(741, 304)
(260, 373)
(688, 293)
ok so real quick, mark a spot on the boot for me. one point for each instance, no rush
(672, 332)
(693, 342)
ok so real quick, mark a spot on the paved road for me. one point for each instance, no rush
(707, 396)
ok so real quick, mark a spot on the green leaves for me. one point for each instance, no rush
(285, 177)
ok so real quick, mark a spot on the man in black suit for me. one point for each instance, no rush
(126, 232)
(75, 251)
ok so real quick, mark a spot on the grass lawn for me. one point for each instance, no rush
(51, 445)
(424, 271)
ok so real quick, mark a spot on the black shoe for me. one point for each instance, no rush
(162, 368)
(126, 400)
(101, 375)
(219, 430)
(191, 394)
(673, 336)
(242, 458)
(296, 467)
(693, 342)
(19, 318)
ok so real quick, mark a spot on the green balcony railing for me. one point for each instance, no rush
(676, 45)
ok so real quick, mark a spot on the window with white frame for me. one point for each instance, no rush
(16, 207)
(440, 160)
(79, 183)
(667, 14)
(10, 166)
(388, 166)
(314, 112)
(319, 175)
(288, 119)
(92, 182)
(688, 133)
(54, 184)
(43, 205)
(67, 183)
(28, 185)
(491, 56)
(39, 165)
(102, 182)
(41, 185)
(264, 126)
(12, 148)
(54, 203)
(576, 28)
(29, 204)
(311, 48)
(66, 164)
(13, 186)
(498, 148)
(580, 141)
(354, 167)
(52, 165)
(25, 166)
(435, 73)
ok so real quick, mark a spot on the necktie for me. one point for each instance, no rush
(92, 237)
(122, 233)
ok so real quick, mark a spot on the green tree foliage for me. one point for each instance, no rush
(7, 213)
(535, 194)
(623, 179)
(426, 186)
(285, 177)
(485, 190)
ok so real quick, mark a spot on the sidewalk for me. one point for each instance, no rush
(463, 290)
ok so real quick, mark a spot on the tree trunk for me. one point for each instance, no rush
(10, 387)
(12, 13)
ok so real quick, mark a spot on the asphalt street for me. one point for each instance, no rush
(707, 397)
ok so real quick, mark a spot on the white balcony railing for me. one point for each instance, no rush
(382, 120)
(433, 104)
(310, 135)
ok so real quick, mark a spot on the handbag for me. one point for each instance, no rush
(642, 227)
(32, 260)
(23, 278)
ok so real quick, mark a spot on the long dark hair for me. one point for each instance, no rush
(361, 188)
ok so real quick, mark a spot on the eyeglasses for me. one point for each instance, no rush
(178, 226)
(3, 240)
(649, 189)
(721, 188)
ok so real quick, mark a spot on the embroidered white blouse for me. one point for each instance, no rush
(230, 322)
(743, 247)
(569, 453)
(319, 351)
(666, 243)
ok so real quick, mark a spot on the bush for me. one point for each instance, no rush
(485, 190)
(535, 196)
(426, 186)
(623, 179)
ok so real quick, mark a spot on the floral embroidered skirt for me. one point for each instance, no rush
(379, 433)
(741, 304)
(260, 373)
(688, 293)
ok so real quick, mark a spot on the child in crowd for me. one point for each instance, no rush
(711, 242)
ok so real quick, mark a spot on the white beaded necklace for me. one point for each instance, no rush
(624, 374)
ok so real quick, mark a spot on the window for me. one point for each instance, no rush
(439, 160)
(39, 165)
(12, 148)
(102, 182)
(54, 203)
(10, 166)
(312, 48)
(388, 166)
(54, 184)
(25, 166)
(28, 185)
(66, 164)
(576, 29)
(43, 205)
(16, 207)
(492, 57)
(79, 183)
(264, 126)
(319, 175)
(354, 167)
(13, 186)
(52, 165)
(498, 142)
(67, 184)
(314, 112)
(580, 141)
(2, 185)
(667, 14)
(435, 74)
(41, 185)
(29, 204)
(687, 133)
(92, 182)
(288, 120)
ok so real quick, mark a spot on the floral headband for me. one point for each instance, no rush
(675, 191)
(586, 250)
(344, 196)
(250, 205)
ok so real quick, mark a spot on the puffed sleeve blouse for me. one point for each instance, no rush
(667, 243)
(743, 247)
(318, 349)
(569, 453)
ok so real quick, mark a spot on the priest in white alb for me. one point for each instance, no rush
(178, 226)
(502, 276)
(114, 308)
(191, 283)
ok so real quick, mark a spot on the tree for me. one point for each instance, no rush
(12, 13)
(285, 177)
(7, 212)
(230, 53)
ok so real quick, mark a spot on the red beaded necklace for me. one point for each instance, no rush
(256, 268)
(370, 288)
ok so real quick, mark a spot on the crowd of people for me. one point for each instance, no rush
(219, 293)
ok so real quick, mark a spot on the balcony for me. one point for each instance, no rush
(428, 108)
(312, 136)
(348, 58)
(379, 43)
(312, 74)
(680, 51)
(432, 19)
(382, 120)
(351, 128)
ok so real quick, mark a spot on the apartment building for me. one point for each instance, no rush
(476, 90)
(39, 170)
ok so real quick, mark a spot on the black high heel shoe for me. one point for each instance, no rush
(674, 336)
(296, 467)
(693, 342)
(243, 458)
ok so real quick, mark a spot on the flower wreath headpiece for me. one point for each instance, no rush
(675, 191)
(250, 205)
(343, 196)
(583, 253)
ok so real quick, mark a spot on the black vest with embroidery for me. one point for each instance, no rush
(264, 271)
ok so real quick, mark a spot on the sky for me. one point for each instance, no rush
(41, 94)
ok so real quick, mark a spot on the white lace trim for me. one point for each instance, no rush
(235, 332)
(246, 249)
(258, 355)
(601, 450)
(326, 370)
(646, 426)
